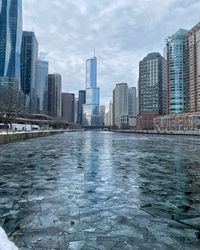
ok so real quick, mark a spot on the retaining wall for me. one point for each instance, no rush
(12, 137)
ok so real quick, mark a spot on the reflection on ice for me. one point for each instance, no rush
(99, 190)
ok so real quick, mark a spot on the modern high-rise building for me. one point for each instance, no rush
(76, 110)
(91, 108)
(132, 105)
(192, 69)
(152, 88)
(41, 84)
(54, 95)
(102, 112)
(68, 105)
(109, 116)
(81, 101)
(10, 38)
(176, 89)
(29, 58)
(120, 104)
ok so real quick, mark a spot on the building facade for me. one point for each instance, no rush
(54, 95)
(68, 105)
(120, 104)
(10, 38)
(152, 89)
(81, 102)
(176, 88)
(109, 116)
(192, 69)
(181, 122)
(29, 58)
(41, 84)
(91, 108)
(132, 103)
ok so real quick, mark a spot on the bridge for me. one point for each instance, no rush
(36, 119)
(97, 128)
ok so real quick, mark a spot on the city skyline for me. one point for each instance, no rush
(119, 49)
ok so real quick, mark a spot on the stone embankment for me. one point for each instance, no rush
(155, 132)
(8, 137)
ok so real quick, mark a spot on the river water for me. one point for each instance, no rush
(101, 190)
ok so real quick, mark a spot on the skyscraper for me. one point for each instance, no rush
(176, 89)
(29, 58)
(68, 105)
(120, 104)
(109, 116)
(54, 95)
(81, 101)
(152, 88)
(132, 106)
(41, 84)
(91, 108)
(10, 38)
(192, 69)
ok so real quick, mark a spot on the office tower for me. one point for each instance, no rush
(152, 88)
(176, 89)
(68, 104)
(29, 58)
(54, 95)
(81, 101)
(137, 105)
(102, 111)
(91, 108)
(10, 38)
(109, 116)
(192, 69)
(120, 104)
(132, 106)
(41, 85)
(76, 110)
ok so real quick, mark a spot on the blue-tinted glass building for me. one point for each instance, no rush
(41, 84)
(10, 38)
(91, 108)
(175, 69)
(29, 58)
(91, 73)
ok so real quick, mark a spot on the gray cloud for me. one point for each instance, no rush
(122, 31)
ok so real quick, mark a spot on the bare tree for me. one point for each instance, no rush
(9, 104)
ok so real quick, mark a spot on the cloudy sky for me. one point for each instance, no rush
(122, 31)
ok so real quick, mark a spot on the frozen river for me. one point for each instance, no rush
(101, 190)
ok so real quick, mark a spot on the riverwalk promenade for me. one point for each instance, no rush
(10, 136)
(161, 132)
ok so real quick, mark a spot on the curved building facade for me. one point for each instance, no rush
(175, 68)
(10, 38)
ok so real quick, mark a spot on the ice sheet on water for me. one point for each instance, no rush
(127, 193)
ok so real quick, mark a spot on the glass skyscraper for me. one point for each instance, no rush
(41, 83)
(91, 108)
(10, 38)
(29, 58)
(175, 70)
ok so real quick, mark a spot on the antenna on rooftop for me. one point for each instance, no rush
(94, 52)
